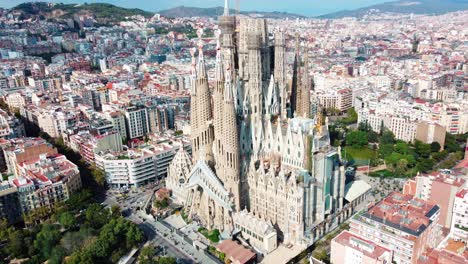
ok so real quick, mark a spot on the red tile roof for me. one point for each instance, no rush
(236, 251)
(403, 210)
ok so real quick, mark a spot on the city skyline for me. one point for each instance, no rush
(302, 7)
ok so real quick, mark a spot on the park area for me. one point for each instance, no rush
(391, 157)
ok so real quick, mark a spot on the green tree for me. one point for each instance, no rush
(411, 160)
(322, 255)
(401, 166)
(167, 260)
(364, 126)
(96, 216)
(16, 244)
(46, 239)
(387, 138)
(57, 255)
(83, 256)
(435, 146)
(426, 165)
(115, 211)
(402, 148)
(133, 236)
(67, 220)
(164, 203)
(439, 156)
(147, 255)
(357, 139)
(385, 150)
(373, 137)
(392, 161)
(422, 149)
(351, 117)
(451, 144)
(99, 176)
(5, 229)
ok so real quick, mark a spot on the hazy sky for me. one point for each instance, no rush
(305, 7)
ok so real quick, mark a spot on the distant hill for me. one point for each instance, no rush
(435, 7)
(104, 13)
(184, 11)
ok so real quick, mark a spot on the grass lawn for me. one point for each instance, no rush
(360, 156)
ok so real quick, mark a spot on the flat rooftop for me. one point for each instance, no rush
(367, 247)
(403, 212)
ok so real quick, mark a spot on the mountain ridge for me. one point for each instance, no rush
(431, 7)
(213, 12)
(103, 12)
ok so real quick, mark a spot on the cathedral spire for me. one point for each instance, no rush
(193, 74)
(296, 80)
(305, 86)
(228, 91)
(203, 137)
(230, 160)
(297, 44)
(218, 108)
(219, 71)
(226, 7)
(201, 68)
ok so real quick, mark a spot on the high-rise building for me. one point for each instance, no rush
(136, 121)
(248, 151)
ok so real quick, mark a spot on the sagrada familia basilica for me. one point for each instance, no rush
(256, 149)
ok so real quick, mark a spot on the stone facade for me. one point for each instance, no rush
(249, 153)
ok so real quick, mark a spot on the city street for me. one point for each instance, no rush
(173, 239)
(159, 235)
(156, 239)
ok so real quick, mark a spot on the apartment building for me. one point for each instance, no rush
(136, 120)
(402, 127)
(45, 181)
(350, 248)
(437, 188)
(88, 144)
(19, 150)
(401, 223)
(459, 227)
(137, 166)
(339, 99)
(428, 132)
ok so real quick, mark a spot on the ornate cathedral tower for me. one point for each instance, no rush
(227, 26)
(295, 91)
(303, 109)
(255, 85)
(218, 101)
(202, 132)
(230, 143)
(193, 105)
(247, 152)
(279, 72)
